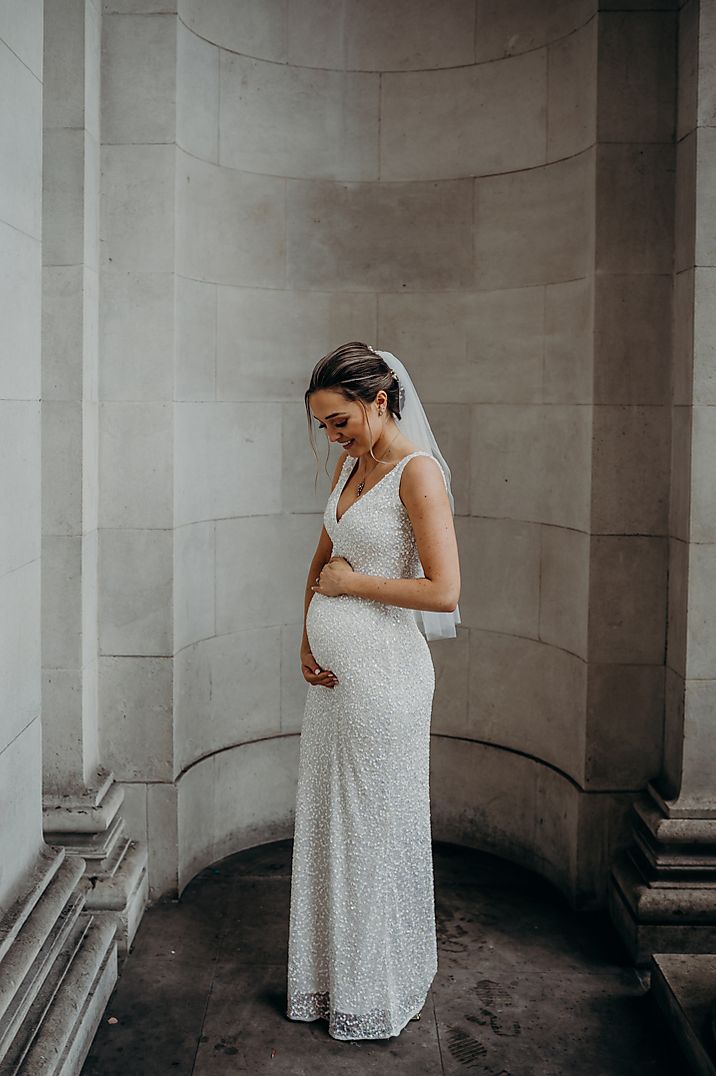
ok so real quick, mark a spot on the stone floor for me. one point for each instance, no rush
(525, 986)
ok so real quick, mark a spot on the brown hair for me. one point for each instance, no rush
(357, 372)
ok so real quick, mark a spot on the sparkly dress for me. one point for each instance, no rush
(362, 948)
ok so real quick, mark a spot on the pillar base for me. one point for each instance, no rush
(662, 889)
(90, 825)
(58, 966)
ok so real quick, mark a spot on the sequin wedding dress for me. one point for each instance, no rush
(362, 949)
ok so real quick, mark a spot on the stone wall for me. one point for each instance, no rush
(461, 185)
(20, 445)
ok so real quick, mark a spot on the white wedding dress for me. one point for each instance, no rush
(362, 946)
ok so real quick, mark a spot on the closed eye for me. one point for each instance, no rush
(339, 425)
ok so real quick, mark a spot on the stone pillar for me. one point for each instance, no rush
(82, 803)
(58, 961)
(662, 894)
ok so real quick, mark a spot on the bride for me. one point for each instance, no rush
(384, 578)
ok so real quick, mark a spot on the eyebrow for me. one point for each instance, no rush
(334, 414)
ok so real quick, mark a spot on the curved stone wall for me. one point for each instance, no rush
(423, 180)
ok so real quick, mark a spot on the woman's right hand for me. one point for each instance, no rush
(313, 673)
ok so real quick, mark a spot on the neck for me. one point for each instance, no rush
(385, 446)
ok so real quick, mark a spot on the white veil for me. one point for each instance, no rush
(414, 424)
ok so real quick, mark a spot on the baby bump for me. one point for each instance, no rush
(367, 641)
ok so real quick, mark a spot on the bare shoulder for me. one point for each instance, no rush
(422, 477)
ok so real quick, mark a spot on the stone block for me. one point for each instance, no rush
(21, 29)
(528, 696)
(686, 69)
(63, 64)
(139, 73)
(464, 121)
(135, 596)
(62, 463)
(62, 328)
(135, 717)
(505, 29)
(20, 303)
(632, 335)
(680, 472)
(703, 489)
(248, 598)
(20, 809)
(678, 609)
(134, 809)
(62, 602)
(564, 591)
(298, 121)
(138, 213)
(227, 460)
(270, 340)
(572, 92)
(701, 629)
(481, 347)
(230, 225)
(703, 387)
(624, 725)
(705, 238)
(373, 236)
(372, 36)
(530, 462)
(568, 341)
(685, 204)
(20, 441)
(137, 334)
(62, 746)
(63, 197)
(20, 656)
(634, 208)
(500, 582)
(257, 28)
(630, 470)
(197, 95)
(234, 800)
(548, 211)
(21, 133)
(648, 86)
(228, 691)
(194, 574)
(698, 766)
(195, 319)
(162, 843)
(627, 600)
(136, 459)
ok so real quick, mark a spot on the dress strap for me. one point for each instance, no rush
(419, 452)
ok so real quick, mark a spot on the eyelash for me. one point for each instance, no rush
(339, 425)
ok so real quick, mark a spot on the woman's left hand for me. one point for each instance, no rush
(333, 579)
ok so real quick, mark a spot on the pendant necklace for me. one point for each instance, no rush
(359, 489)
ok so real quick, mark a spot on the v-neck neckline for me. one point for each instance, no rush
(364, 495)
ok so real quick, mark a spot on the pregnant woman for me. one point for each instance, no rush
(384, 578)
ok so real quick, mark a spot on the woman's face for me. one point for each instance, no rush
(343, 420)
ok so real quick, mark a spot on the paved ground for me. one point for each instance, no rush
(525, 986)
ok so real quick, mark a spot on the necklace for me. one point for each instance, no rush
(359, 489)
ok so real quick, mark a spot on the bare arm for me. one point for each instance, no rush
(423, 492)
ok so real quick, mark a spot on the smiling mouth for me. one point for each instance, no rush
(345, 444)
